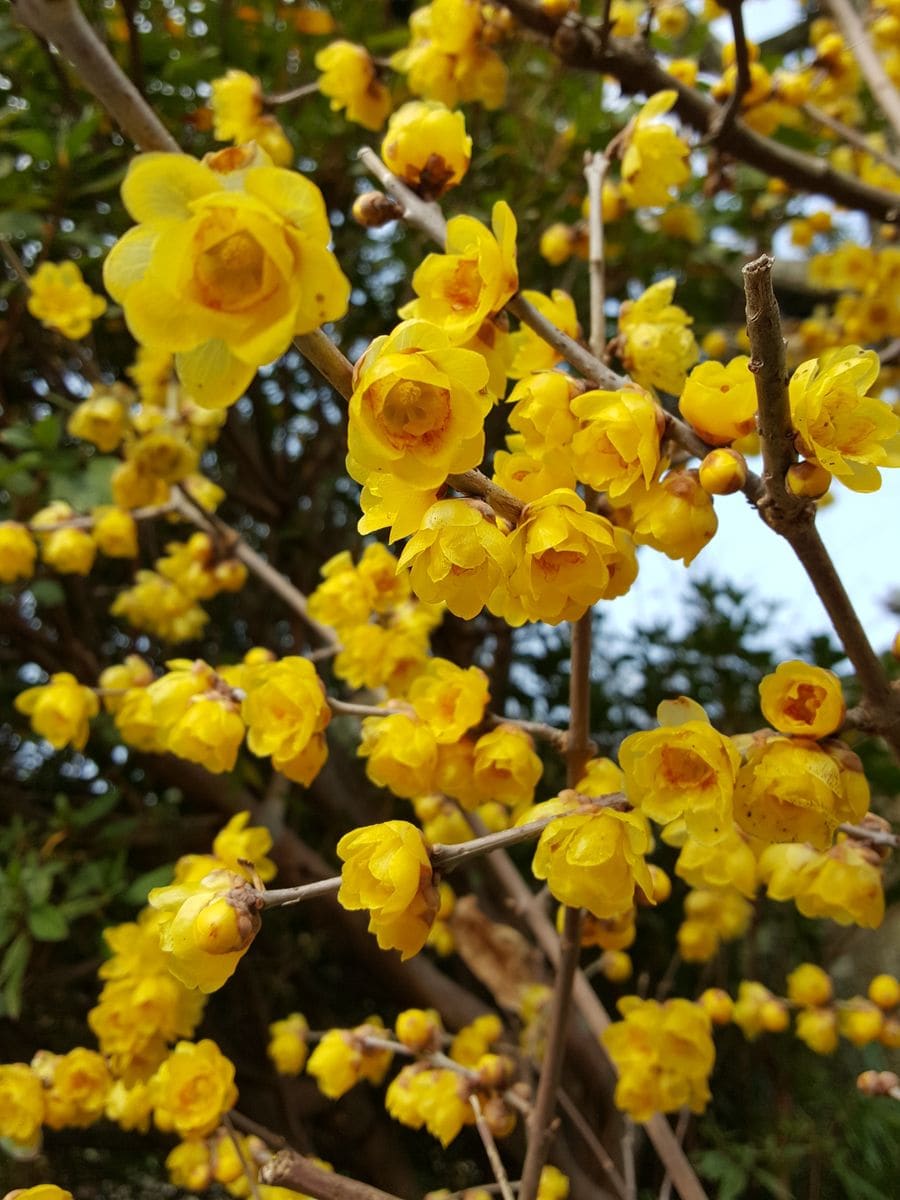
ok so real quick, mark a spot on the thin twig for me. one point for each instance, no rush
(595, 168)
(14, 262)
(593, 1143)
(254, 562)
(860, 46)
(878, 837)
(297, 93)
(628, 1164)
(63, 24)
(727, 114)
(249, 1174)
(88, 521)
(490, 1149)
(850, 135)
(681, 1128)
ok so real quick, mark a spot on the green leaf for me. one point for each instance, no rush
(47, 593)
(37, 884)
(95, 809)
(87, 487)
(46, 433)
(159, 877)
(12, 976)
(47, 924)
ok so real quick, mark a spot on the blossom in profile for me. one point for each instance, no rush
(60, 710)
(655, 160)
(350, 81)
(387, 872)
(61, 300)
(427, 146)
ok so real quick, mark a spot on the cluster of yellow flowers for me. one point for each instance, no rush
(820, 1020)
(231, 1160)
(61, 300)
(451, 57)
(664, 1055)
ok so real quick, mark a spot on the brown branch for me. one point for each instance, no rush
(135, 60)
(595, 168)
(858, 43)
(474, 483)
(334, 367)
(631, 61)
(794, 518)
(728, 113)
(848, 134)
(767, 363)
(593, 1143)
(291, 1170)
(63, 24)
(490, 1149)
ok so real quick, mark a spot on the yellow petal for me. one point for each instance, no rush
(128, 260)
(212, 376)
(161, 187)
(293, 196)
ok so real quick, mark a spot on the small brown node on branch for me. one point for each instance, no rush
(374, 209)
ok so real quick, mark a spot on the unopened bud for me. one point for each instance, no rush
(884, 990)
(495, 1071)
(500, 1118)
(222, 928)
(419, 1029)
(774, 1016)
(877, 1083)
(374, 209)
(723, 472)
(615, 965)
(808, 479)
(718, 1005)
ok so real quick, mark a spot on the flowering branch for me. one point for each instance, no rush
(62, 23)
(291, 1170)
(727, 115)
(490, 1149)
(577, 42)
(88, 521)
(857, 40)
(793, 518)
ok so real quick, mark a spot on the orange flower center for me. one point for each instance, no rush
(412, 413)
(805, 703)
(230, 273)
(685, 768)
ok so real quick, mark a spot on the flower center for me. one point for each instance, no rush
(685, 768)
(806, 703)
(413, 412)
(230, 273)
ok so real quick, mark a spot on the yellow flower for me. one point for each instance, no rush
(618, 442)
(846, 431)
(70, 551)
(683, 221)
(390, 503)
(193, 1089)
(712, 915)
(860, 1021)
(284, 708)
(210, 733)
(553, 1184)
(43, 1191)
(287, 1044)
(189, 1166)
(505, 768)
(115, 531)
(61, 300)
(350, 80)
(228, 262)
(658, 347)
(727, 863)
(101, 420)
(373, 656)
(683, 769)
(664, 1054)
(842, 884)
(655, 160)
(818, 1028)
(531, 476)
(459, 290)
(757, 1011)
(160, 607)
(601, 778)
(60, 710)
(237, 843)
(420, 1029)
(162, 453)
(592, 857)
(460, 556)
(675, 516)
(557, 243)
(567, 559)
(543, 412)
(426, 144)
(809, 985)
(236, 103)
(129, 1107)
(206, 926)
(78, 1086)
(803, 700)
(21, 1104)
(530, 352)
(435, 1098)
(17, 552)
(401, 753)
(719, 400)
(387, 872)
(793, 790)
(418, 406)
(884, 990)
(449, 699)
(342, 1058)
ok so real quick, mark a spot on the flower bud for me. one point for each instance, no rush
(809, 985)
(221, 927)
(877, 1083)
(723, 472)
(419, 1029)
(774, 1016)
(717, 1004)
(884, 990)
(615, 965)
(500, 1118)
(557, 244)
(374, 209)
(808, 479)
(495, 1071)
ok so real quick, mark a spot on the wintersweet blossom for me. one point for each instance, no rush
(655, 160)
(658, 347)
(719, 400)
(426, 144)
(60, 710)
(17, 552)
(21, 1104)
(229, 260)
(803, 700)
(617, 444)
(193, 1089)
(61, 300)
(387, 872)
(350, 81)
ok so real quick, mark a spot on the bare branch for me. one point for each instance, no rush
(490, 1149)
(850, 135)
(728, 113)
(291, 1170)
(595, 168)
(63, 24)
(860, 46)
